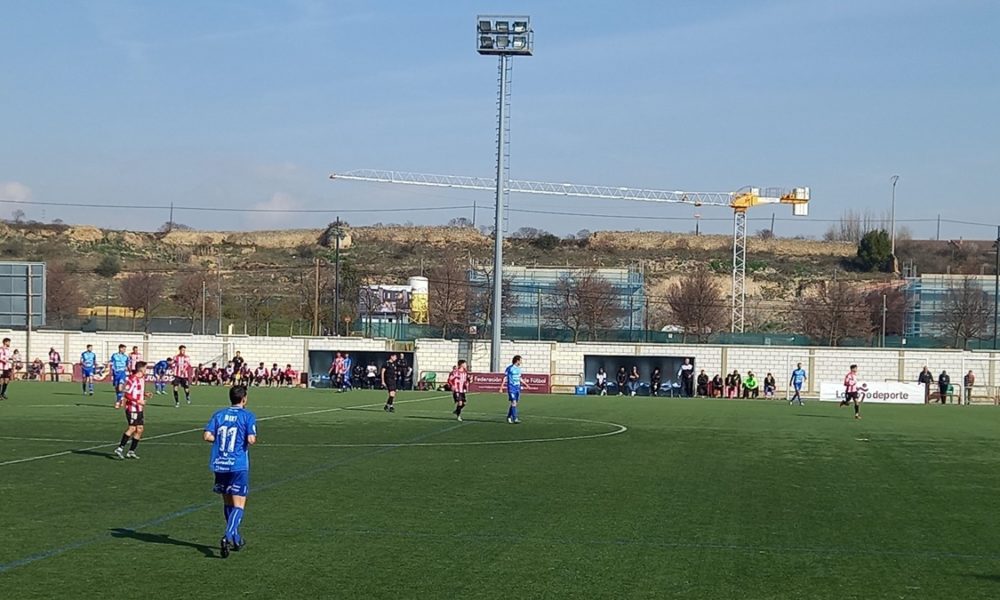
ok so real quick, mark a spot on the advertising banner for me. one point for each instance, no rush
(490, 382)
(882, 392)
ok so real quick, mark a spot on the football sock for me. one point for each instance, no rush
(83, 386)
(3, 389)
(233, 524)
(176, 399)
(857, 409)
(510, 412)
(124, 441)
(513, 412)
(458, 409)
(227, 509)
(187, 395)
(119, 395)
(91, 387)
(135, 444)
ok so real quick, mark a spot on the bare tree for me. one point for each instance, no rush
(966, 313)
(698, 305)
(460, 222)
(142, 291)
(479, 301)
(853, 225)
(368, 303)
(584, 302)
(194, 293)
(834, 313)
(448, 295)
(895, 309)
(62, 293)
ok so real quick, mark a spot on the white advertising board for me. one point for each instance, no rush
(885, 392)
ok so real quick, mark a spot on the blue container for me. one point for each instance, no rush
(581, 390)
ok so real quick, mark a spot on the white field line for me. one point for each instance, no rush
(186, 431)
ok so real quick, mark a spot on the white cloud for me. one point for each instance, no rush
(14, 191)
(275, 217)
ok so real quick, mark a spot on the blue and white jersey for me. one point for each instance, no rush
(798, 376)
(513, 374)
(88, 359)
(161, 368)
(231, 449)
(348, 363)
(119, 362)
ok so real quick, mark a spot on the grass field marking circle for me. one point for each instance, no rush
(185, 431)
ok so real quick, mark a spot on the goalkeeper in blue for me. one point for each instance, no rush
(232, 431)
(512, 381)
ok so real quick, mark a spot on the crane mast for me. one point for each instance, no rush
(739, 201)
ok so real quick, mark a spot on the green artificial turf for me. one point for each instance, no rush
(697, 499)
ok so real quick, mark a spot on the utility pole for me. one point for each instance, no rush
(27, 322)
(339, 233)
(170, 223)
(772, 224)
(315, 327)
(885, 309)
(220, 300)
(996, 290)
(473, 214)
(939, 227)
(204, 298)
(107, 306)
(892, 221)
(538, 318)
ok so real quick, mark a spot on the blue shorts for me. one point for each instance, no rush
(118, 377)
(234, 483)
(798, 386)
(513, 394)
(88, 371)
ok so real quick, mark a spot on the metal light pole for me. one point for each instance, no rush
(503, 36)
(339, 233)
(892, 220)
(996, 290)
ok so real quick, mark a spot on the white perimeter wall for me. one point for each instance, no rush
(563, 361)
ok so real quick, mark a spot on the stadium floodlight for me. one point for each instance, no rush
(493, 36)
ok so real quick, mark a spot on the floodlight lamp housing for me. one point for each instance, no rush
(504, 34)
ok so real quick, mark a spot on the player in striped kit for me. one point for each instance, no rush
(458, 381)
(135, 400)
(851, 391)
(6, 367)
(182, 375)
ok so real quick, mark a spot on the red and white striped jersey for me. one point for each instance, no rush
(850, 383)
(458, 380)
(182, 366)
(6, 358)
(133, 358)
(135, 393)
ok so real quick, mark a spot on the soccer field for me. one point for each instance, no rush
(587, 498)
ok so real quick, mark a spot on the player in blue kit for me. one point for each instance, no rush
(512, 380)
(161, 370)
(88, 364)
(231, 432)
(797, 381)
(118, 363)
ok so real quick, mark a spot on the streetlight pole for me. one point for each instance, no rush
(337, 230)
(892, 222)
(996, 290)
(505, 37)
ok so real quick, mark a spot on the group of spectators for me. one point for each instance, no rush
(628, 382)
(345, 374)
(944, 388)
(238, 372)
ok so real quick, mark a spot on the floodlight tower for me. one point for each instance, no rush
(505, 37)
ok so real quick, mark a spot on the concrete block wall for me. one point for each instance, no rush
(562, 360)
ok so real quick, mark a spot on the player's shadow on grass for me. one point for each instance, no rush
(993, 578)
(817, 416)
(452, 418)
(95, 405)
(161, 538)
(107, 455)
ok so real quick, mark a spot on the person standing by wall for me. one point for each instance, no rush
(970, 380)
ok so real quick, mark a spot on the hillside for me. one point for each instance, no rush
(273, 271)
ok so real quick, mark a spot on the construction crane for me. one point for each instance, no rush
(739, 201)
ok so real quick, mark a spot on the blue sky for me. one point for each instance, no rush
(252, 104)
